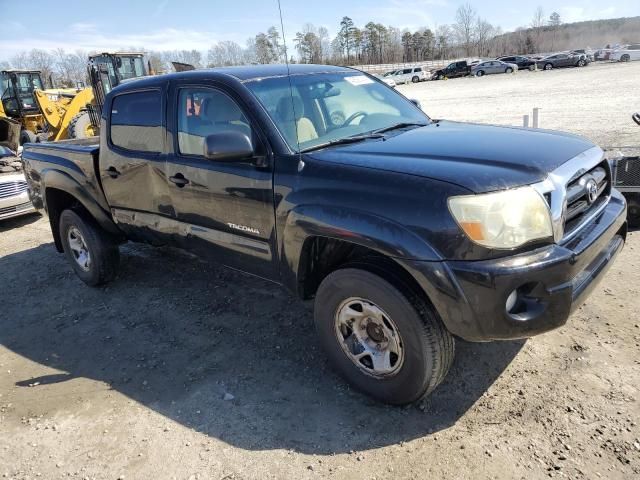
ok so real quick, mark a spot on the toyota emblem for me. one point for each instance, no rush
(592, 191)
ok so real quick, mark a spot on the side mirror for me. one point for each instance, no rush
(416, 103)
(228, 146)
(636, 117)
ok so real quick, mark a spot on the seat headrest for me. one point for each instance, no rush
(219, 108)
(289, 108)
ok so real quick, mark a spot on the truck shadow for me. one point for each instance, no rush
(176, 335)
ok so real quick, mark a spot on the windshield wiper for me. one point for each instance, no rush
(400, 125)
(343, 141)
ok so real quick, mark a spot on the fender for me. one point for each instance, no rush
(377, 233)
(56, 179)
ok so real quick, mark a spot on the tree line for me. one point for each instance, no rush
(470, 35)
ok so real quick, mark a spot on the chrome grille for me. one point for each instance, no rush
(16, 208)
(585, 195)
(11, 189)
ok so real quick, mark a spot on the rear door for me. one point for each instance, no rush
(132, 167)
(225, 210)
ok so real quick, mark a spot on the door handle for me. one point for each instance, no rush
(113, 172)
(179, 180)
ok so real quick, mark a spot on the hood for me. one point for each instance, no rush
(9, 133)
(481, 158)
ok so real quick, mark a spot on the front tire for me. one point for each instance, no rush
(625, 58)
(548, 66)
(415, 79)
(92, 252)
(509, 70)
(581, 63)
(27, 136)
(388, 345)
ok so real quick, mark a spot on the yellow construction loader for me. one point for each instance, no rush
(76, 114)
(17, 88)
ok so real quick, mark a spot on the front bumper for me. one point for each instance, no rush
(552, 282)
(15, 206)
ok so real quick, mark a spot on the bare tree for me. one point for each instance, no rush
(466, 18)
(537, 24)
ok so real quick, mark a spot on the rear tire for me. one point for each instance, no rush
(508, 70)
(92, 252)
(27, 136)
(625, 58)
(80, 126)
(415, 79)
(480, 73)
(532, 68)
(425, 349)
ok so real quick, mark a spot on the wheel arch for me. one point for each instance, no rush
(61, 191)
(318, 240)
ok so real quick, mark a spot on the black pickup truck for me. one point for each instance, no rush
(406, 231)
(453, 70)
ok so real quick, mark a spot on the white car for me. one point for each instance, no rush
(388, 80)
(626, 53)
(14, 198)
(406, 75)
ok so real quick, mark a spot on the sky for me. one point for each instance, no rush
(197, 24)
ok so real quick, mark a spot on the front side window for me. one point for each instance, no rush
(203, 112)
(321, 108)
(136, 121)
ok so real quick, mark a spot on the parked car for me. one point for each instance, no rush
(406, 75)
(626, 53)
(453, 70)
(523, 63)
(405, 231)
(588, 54)
(601, 54)
(493, 66)
(14, 199)
(561, 60)
(388, 80)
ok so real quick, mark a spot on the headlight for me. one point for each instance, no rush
(504, 219)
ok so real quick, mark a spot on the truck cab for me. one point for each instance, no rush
(406, 232)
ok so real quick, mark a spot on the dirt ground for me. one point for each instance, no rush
(181, 369)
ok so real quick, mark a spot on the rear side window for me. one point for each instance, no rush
(136, 121)
(418, 69)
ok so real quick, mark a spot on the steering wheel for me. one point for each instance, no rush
(636, 117)
(353, 116)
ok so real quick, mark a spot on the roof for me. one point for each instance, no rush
(249, 72)
(242, 74)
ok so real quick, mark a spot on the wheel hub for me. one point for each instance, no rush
(369, 337)
(79, 248)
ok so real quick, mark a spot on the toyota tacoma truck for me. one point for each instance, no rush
(405, 231)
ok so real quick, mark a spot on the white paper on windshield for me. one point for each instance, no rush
(358, 80)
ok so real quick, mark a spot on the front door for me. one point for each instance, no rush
(132, 167)
(224, 209)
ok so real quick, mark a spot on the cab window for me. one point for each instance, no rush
(203, 112)
(136, 121)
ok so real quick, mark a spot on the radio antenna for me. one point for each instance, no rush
(286, 61)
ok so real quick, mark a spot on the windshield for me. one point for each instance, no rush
(20, 89)
(329, 107)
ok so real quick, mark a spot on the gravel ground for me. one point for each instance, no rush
(181, 369)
